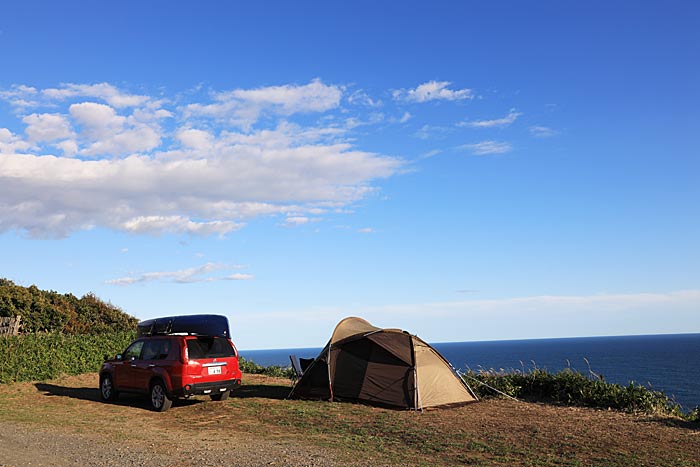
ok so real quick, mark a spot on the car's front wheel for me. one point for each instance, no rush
(160, 402)
(107, 391)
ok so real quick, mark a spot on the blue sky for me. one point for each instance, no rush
(462, 170)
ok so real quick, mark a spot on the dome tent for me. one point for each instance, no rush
(387, 367)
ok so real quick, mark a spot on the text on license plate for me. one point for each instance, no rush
(214, 370)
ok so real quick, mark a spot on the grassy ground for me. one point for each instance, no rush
(489, 433)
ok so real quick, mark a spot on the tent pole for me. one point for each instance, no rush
(330, 382)
(417, 403)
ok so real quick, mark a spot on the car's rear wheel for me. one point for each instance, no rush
(160, 402)
(222, 396)
(107, 391)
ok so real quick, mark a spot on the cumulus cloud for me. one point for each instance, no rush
(488, 147)
(11, 143)
(498, 122)
(47, 127)
(183, 276)
(243, 107)
(127, 163)
(103, 91)
(432, 90)
(105, 132)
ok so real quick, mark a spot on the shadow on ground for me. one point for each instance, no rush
(93, 394)
(266, 391)
(678, 423)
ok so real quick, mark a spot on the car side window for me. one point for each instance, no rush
(156, 349)
(164, 349)
(151, 349)
(133, 352)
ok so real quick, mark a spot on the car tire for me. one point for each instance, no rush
(222, 396)
(107, 391)
(160, 402)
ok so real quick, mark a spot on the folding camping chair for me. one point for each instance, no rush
(297, 369)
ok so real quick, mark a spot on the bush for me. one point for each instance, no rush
(570, 387)
(44, 356)
(49, 311)
(248, 366)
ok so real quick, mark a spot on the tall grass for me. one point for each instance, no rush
(569, 387)
(41, 356)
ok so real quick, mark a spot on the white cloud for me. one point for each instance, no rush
(539, 131)
(295, 221)
(432, 90)
(499, 122)
(131, 169)
(238, 277)
(243, 107)
(104, 91)
(360, 97)
(366, 230)
(488, 147)
(106, 133)
(431, 153)
(47, 127)
(196, 139)
(11, 143)
(183, 276)
(430, 131)
(177, 224)
(20, 96)
(69, 147)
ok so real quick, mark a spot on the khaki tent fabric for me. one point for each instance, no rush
(387, 367)
(437, 386)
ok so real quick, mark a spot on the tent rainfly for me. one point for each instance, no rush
(386, 367)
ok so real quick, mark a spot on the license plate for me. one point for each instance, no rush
(214, 370)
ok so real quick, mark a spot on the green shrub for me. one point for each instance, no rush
(49, 311)
(42, 356)
(570, 387)
(248, 366)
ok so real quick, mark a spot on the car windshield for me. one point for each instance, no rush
(209, 347)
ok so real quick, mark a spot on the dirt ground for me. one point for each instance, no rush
(63, 423)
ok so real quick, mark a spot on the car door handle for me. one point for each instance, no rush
(151, 365)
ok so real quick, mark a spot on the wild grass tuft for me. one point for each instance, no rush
(569, 387)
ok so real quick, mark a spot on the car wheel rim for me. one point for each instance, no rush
(157, 396)
(106, 388)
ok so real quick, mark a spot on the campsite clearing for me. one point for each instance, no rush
(62, 422)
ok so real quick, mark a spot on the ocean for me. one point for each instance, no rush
(668, 363)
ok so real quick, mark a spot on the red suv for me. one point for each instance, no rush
(175, 357)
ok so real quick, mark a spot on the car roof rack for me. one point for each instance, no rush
(196, 325)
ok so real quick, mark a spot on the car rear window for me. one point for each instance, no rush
(209, 347)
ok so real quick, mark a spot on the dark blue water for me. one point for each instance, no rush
(669, 363)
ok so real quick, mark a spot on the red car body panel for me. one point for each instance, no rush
(211, 367)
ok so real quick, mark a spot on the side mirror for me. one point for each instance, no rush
(119, 357)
